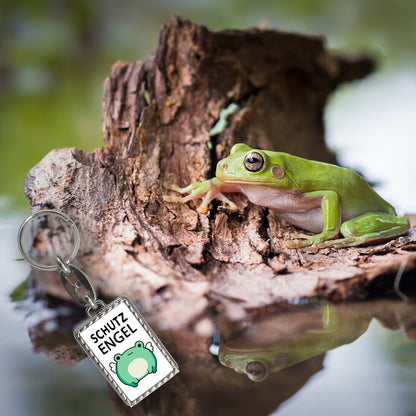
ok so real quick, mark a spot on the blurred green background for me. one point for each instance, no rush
(55, 55)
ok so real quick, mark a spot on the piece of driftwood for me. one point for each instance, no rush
(178, 265)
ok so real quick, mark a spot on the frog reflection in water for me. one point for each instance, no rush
(287, 339)
(135, 363)
(325, 199)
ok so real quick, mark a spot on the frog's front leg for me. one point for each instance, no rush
(369, 228)
(331, 212)
(207, 190)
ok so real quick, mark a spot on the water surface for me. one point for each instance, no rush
(300, 357)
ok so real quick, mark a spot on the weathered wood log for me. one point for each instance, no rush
(176, 263)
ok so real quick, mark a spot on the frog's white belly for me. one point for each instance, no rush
(138, 367)
(295, 208)
(311, 220)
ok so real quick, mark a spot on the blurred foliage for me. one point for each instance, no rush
(399, 347)
(55, 55)
(19, 292)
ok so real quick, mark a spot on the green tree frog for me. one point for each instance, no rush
(324, 199)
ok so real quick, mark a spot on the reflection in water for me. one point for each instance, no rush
(282, 340)
(281, 350)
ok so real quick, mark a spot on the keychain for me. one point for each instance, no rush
(115, 336)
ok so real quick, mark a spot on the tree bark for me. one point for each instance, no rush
(177, 264)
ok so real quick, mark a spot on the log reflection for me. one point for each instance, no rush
(259, 363)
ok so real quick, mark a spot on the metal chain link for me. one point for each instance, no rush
(81, 290)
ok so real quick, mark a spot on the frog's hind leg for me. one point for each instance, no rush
(368, 229)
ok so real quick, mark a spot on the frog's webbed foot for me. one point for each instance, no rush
(209, 196)
(306, 242)
(193, 190)
(315, 242)
(300, 240)
(312, 248)
(341, 243)
(207, 190)
(370, 228)
(297, 236)
(221, 197)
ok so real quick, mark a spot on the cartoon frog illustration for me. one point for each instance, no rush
(134, 363)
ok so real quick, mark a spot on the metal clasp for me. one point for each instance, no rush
(80, 288)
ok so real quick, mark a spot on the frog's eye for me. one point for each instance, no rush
(117, 357)
(253, 161)
(139, 344)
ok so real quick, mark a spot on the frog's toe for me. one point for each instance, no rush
(292, 243)
(314, 243)
(339, 243)
(310, 246)
(170, 198)
(313, 249)
(227, 201)
(298, 243)
(202, 209)
(299, 235)
(172, 187)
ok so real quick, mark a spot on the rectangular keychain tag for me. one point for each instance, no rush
(126, 350)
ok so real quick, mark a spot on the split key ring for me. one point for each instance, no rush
(41, 213)
(80, 288)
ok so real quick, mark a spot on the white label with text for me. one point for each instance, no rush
(126, 350)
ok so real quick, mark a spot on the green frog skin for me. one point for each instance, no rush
(324, 199)
(134, 364)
